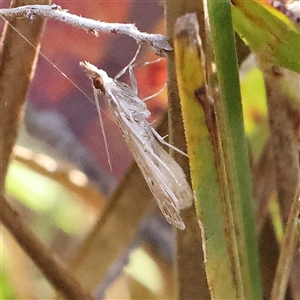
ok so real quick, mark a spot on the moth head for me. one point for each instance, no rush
(98, 76)
(98, 84)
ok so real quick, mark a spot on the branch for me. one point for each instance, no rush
(17, 66)
(288, 246)
(156, 41)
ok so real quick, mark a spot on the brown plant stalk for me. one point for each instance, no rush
(53, 270)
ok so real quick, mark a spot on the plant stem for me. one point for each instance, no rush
(287, 251)
(54, 271)
(157, 41)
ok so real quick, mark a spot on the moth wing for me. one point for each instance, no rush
(128, 101)
(157, 175)
(130, 114)
(176, 177)
(164, 196)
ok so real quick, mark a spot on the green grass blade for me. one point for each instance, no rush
(223, 274)
(229, 111)
(268, 32)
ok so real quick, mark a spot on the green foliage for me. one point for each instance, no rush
(254, 110)
(46, 197)
(268, 32)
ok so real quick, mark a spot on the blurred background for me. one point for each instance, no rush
(60, 179)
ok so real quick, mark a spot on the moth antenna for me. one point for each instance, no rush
(50, 62)
(102, 126)
(76, 86)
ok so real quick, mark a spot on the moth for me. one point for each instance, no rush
(165, 178)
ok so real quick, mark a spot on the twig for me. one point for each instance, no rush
(54, 271)
(156, 41)
(17, 65)
(17, 68)
(283, 106)
(264, 183)
(287, 251)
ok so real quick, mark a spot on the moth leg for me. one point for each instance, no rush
(129, 65)
(162, 141)
(156, 94)
(133, 79)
